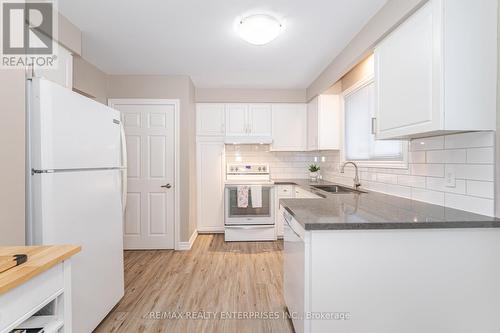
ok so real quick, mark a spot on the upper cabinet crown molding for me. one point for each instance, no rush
(323, 123)
(436, 74)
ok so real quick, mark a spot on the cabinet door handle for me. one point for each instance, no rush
(374, 125)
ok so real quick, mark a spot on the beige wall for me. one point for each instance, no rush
(69, 35)
(12, 138)
(393, 12)
(250, 95)
(169, 87)
(12, 157)
(89, 80)
(362, 70)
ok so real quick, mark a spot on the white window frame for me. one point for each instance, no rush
(403, 164)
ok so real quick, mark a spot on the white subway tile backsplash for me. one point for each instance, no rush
(428, 196)
(431, 170)
(411, 181)
(387, 178)
(433, 143)
(481, 155)
(392, 189)
(470, 140)
(481, 189)
(282, 164)
(446, 156)
(471, 155)
(439, 184)
(417, 157)
(483, 172)
(471, 204)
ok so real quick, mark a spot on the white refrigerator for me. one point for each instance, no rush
(76, 192)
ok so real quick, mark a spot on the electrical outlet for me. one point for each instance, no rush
(450, 177)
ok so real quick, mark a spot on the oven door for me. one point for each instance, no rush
(235, 215)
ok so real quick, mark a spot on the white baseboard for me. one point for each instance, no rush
(211, 230)
(186, 246)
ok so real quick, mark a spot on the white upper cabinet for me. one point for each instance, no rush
(323, 123)
(236, 119)
(289, 127)
(259, 120)
(63, 73)
(312, 124)
(210, 119)
(248, 120)
(437, 74)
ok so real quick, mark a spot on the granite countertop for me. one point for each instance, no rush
(374, 210)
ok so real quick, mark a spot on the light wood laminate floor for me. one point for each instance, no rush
(230, 279)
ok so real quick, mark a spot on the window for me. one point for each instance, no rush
(360, 143)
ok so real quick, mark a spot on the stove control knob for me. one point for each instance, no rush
(260, 169)
(263, 168)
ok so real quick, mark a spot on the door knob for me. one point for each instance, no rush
(166, 186)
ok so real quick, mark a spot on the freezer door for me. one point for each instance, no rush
(70, 131)
(84, 208)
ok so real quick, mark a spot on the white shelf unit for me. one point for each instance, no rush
(44, 301)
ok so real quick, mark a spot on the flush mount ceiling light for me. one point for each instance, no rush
(259, 29)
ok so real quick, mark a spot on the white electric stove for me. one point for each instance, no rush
(255, 220)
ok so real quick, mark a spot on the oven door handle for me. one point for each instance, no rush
(248, 227)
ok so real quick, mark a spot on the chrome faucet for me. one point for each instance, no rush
(356, 177)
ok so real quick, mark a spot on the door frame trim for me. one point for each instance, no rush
(161, 101)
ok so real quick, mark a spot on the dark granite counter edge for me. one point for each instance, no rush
(396, 225)
(475, 224)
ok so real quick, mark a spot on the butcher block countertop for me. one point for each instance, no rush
(40, 259)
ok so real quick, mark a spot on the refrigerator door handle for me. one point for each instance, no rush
(124, 167)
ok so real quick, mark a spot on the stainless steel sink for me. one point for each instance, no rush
(336, 189)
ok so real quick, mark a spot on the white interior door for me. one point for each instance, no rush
(150, 136)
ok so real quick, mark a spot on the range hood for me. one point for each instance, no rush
(248, 140)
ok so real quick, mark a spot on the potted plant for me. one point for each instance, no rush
(314, 172)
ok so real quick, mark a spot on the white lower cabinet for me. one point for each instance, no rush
(210, 174)
(301, 193)
(346, 281)
(282, 192)
(285, 192)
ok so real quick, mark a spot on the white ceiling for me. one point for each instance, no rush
(196, 38)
